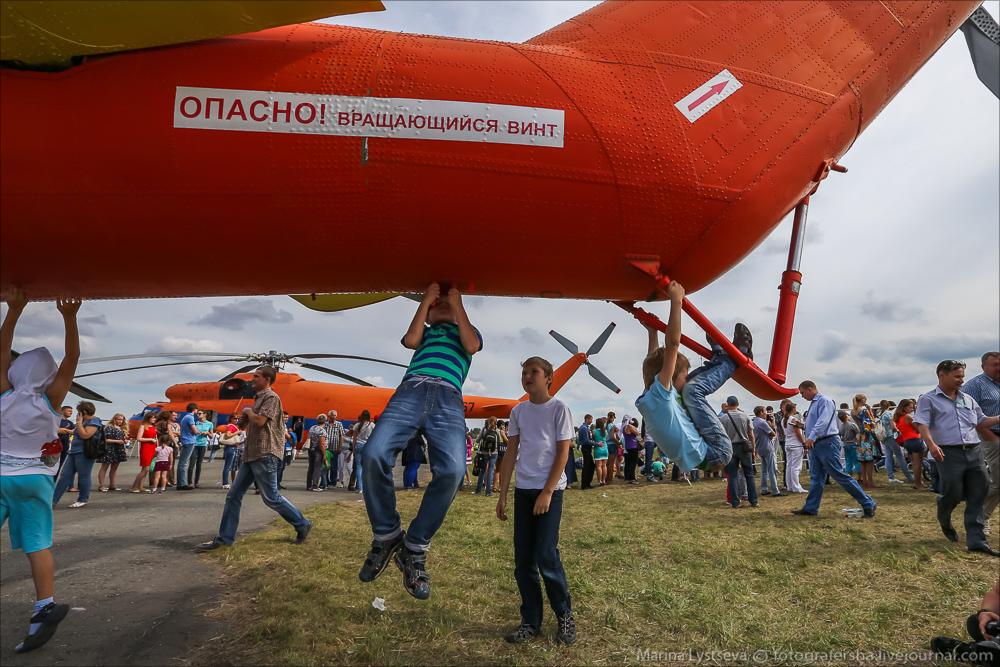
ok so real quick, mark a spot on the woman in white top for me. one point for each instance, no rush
(794, 448)
(362, 431)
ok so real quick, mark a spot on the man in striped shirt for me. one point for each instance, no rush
(428, 402)
(985, 388)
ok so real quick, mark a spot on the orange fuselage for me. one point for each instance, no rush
(599, 164)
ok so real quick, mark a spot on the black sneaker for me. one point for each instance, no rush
(870, 512)
(209, 546)
(567, 629)
(525, 632)
(303, 533)
(49, 616)
(743, 340)
(416, 581)
(378, 557)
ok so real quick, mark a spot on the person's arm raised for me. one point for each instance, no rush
(415, 333)
(16, 301)
(470, 340)
(673, 336)
(57, 391)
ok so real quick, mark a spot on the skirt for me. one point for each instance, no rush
(115, 454)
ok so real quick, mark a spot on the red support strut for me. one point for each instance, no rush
(791, 282)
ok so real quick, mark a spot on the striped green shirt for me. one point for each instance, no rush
(441, 354)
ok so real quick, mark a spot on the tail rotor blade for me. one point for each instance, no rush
(601, 340)
(602, 378)
(565, 342)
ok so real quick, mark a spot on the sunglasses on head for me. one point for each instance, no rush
(950, 365)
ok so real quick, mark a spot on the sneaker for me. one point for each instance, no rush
(743, 340)
(378, 557)
(303, 533)
(897, 481)
(525, 632)
(567, 629)
(870, 512)
(49, 616)
(416, 581)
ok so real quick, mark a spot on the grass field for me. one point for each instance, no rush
(664, 567)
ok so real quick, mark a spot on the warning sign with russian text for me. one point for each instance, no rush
(400, 118)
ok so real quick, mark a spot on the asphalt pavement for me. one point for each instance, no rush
(124, 563)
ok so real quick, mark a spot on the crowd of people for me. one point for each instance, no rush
(951, 432)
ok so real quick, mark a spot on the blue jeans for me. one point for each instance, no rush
(650, 448)
(410, 475)
(824, 459)
(359, 459)
(434, 408)
(742, 458)
(213, 451)
(182, 463)
(76, 464)
(536, 551)
(769, 472)
(486, 473)
(702, 382)
(194, 472)
(894, 458)
(228, 456)
(265, 472)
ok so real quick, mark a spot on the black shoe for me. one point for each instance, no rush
(950, 533)
(303, 533)
(49, 616)
(742, 339)
(378, 557)
(281, 488)
(765, 493)
(185, 488)
(416, 581)
(778, 495)
(208, 546)
(523, 633)
(711, 342)
(985, 549)
(567, 629)
(870, 512)
(802, 513)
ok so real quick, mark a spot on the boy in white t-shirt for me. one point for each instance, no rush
(538, 442)
(29, 452)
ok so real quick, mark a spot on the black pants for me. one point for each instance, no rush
(194, 468)
(317, 461)
(536, 551)
(587, 476)
(631, 458)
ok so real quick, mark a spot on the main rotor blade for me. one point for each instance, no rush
(565, 342)
(344, 376)
(601, 340)
(345, 356)
(602, 378)
(241, 356)
(89, 394)
(240, 370)
(173, 363)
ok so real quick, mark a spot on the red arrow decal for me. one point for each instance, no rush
(714, 90)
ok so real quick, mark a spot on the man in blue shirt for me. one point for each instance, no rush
(823, 444)
(947, 420)
(985, 388)
(586, 443)
(189, 435)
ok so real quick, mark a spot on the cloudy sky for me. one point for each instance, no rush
(900, 268)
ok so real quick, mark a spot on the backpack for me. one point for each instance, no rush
(880, 432)
(95, 446)
(489, 441)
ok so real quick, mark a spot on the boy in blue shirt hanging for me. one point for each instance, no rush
(428, 401)
(675, 402)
